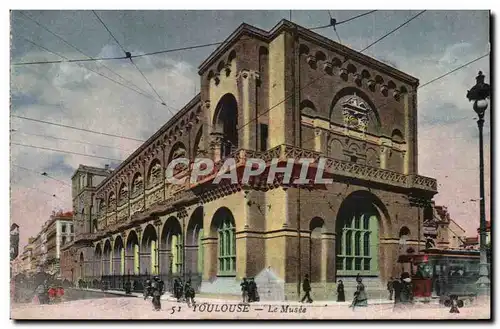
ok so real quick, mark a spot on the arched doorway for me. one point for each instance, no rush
(83, 271)
(119, 257)
(223, 226)
(98, 261)
(194, 246)
(107, 262)
(315, 248)
(226, 123)
(132, 258)
(358, 224)
(149, 260)
(171, 255)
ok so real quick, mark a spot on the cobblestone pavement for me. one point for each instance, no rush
(136, 308)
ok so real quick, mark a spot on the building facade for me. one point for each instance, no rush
(282, 94)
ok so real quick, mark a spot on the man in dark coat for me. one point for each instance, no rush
(306, 287)
(147, 289)
(156, 293)
(177, 289)
(340, 291)
(189, 293)
(127, 286)
(404, 293)
(244, 290)
(390, 287)
(396, 286)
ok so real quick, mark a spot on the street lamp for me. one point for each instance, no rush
(480, 94)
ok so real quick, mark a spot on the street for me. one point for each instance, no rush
(127, 308)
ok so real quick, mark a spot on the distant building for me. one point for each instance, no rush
(440, 230)
(45, 249)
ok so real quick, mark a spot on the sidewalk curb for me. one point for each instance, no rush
(167, 297)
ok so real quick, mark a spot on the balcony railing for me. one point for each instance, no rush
(174, 192)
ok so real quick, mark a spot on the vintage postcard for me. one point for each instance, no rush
(294, 164)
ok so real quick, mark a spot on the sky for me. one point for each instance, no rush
(66, 93)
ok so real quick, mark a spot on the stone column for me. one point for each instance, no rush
(318, 140)
(287, 210)
(215, 145)
(210, 258)
(139, 238)
(247, 81)
(328, 257)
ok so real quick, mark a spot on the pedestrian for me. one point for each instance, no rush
(189, 293)
(244, 290)
(41, 293)
(256, 297)
(455, 303)
(404, 299)
(360, 298)
(306, 287)
(52, 294)
(396, 286)
(156, 293)
(177, 289)
(127, 286)
(59, 294)
(340, 292)
(390, 287)
(252, 290)
(147, 289)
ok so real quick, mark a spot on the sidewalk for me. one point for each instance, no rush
(168, 297)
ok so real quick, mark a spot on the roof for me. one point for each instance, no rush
(307, 34)
(471, 240)
(151, 139)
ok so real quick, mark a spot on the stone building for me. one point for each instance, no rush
(285, 93)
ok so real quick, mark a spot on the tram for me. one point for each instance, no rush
(441, 273)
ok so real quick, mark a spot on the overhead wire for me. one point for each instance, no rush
(67, 152)
(392, 31)
(96, 72)
(128, 55)
(428, 83)
(71, 140)
(44, 174)
(40, 191)
(76, 128)
(323, 75)
(79, 50)
(172, 49)
(333, 23)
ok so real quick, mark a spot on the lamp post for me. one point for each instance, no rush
(480, 94)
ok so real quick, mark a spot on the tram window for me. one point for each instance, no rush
(424, 271)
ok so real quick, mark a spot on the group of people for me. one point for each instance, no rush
(249, 291)
(46, 293)
(184, 291)
(154, 288)
(402, 290)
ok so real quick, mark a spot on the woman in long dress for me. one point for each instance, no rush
(340, 292)
(360, 298)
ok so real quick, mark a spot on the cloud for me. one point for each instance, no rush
(72, 95)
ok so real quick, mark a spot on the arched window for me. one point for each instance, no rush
(357, 249)
(137, 185)
(154, 177)
(227, 247)
(123, 194)
(176, 253)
